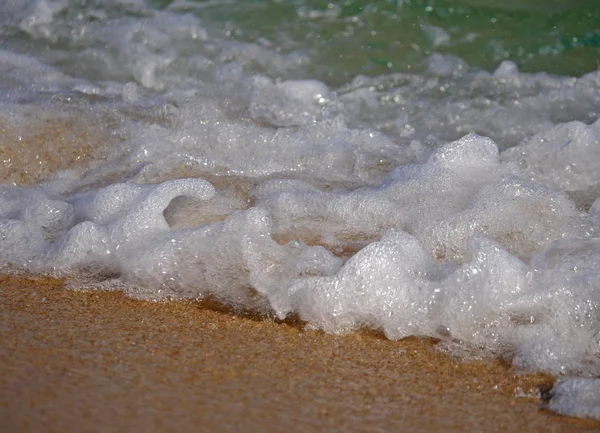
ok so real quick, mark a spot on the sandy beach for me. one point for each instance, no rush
(449, 148)
(100, 362)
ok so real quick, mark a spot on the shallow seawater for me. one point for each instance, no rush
(419, 168)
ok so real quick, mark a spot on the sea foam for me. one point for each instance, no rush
(450, 202)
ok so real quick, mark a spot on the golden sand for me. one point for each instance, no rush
(30, 153)
(98, 361)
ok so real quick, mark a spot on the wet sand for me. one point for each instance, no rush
(100, 362)
(47, 143)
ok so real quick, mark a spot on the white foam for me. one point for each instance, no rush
(290, 103)
(23, 70)
(509, 106)
(468, 192)
(565, 157)
(206, 141)
(38, 17)
(576, 397)
(226, 259)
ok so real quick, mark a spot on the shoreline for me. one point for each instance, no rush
(99, 361)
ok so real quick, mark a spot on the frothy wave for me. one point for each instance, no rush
(447, 202)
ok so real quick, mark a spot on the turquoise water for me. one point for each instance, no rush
(347, 38)
(374, 37)
(422, 168)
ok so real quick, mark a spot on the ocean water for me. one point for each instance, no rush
(422, 168)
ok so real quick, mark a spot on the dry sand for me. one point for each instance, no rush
(82, 362)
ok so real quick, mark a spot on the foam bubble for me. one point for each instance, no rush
(468, 192)
(564, 157)
(378, 287)
(290, 103)
(508, 106)
(576, 397)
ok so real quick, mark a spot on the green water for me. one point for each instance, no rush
(351, 37)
